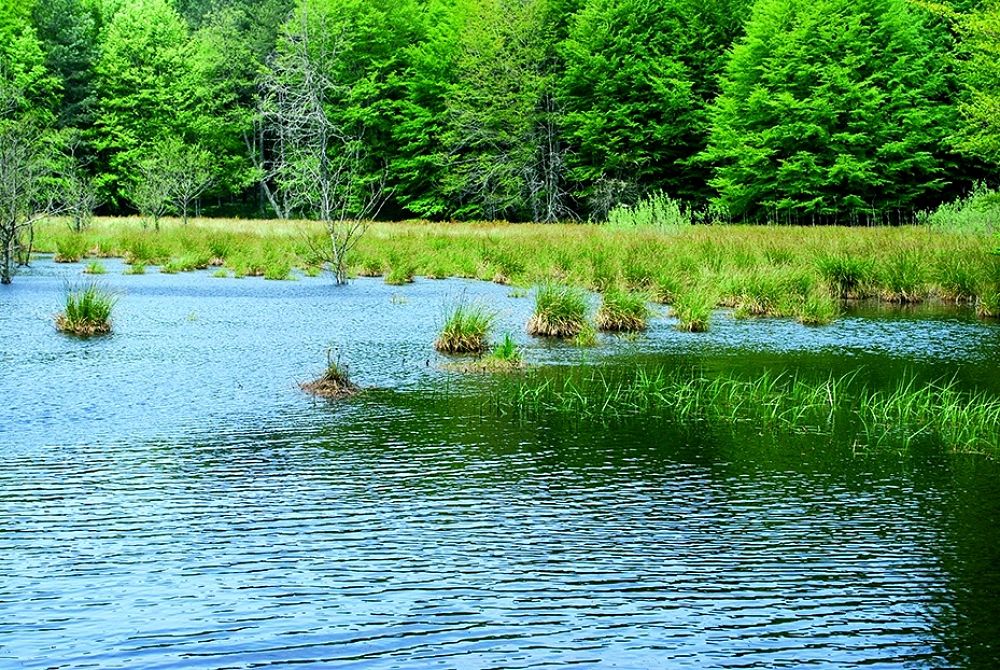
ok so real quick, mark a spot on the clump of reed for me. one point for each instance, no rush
(466, 329)
(88, 312)
(70, 248)
(817, 308)
(95, 268)
(988, 302)
(136, 268)
(693, 309)
(849, 277)
(623, 312)
(902, 279)
(401, 271)
(277, 268)
(334, 383)
(560, 311)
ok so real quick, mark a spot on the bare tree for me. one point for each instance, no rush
(320, 167)
(77, 190)
(170, 177)
(192, 172)
(25, 180)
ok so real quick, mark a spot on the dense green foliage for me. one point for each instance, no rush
(541, 110)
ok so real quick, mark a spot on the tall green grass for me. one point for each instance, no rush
(966, 421)
(560, 311)
(693, 308)
(87, 313)
(466, 329)
(623, 312)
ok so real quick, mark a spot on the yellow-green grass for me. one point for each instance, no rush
(466, 329)
(560, 311)
(908, 263)
(622, 311)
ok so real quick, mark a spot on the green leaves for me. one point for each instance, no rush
(831, 110)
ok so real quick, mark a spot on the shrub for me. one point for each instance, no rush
(977, 213)
(656, 211)
(466, 330)
(88, 312)
(560, 311)
(621, 311)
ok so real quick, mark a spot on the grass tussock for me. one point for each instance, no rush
(623, 312)
(70, 248)
(693, 309)
(334, 383)
(95, 268)
(560, 311)
(88, 312)
(466, 329)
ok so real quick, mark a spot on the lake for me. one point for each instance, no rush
(169, 498)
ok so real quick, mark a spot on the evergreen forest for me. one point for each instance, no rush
(757, 111)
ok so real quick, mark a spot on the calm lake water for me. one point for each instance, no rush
(170, 499)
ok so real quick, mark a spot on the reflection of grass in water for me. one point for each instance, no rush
(960, 420)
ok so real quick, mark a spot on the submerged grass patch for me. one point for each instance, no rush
(560, 311)
(964, 421)
(466, 329)
(88, 312)
(505, 357)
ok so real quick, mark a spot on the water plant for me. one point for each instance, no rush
(277, 269)
(221, 273)
(466, 329)
(70, 248)
(334, 383)
(693, 308)
(560, 311)
(505, 356)
(88, 312)
(621, 311)
(817, 308)
(136, 268)
(95, 268)
(400, 273)
(967, 421)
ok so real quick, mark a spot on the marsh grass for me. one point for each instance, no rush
(70, 248)
(466, 329)
(95, 268)
(400, 272)
(693, 309)
(623, 312)
(964, 421)
(277, 268)
(817, 308)
(88, 312)
(505, 356)
(334, 383)
(850, 277)
(898, 263)
(136, 268)
(560, 311)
